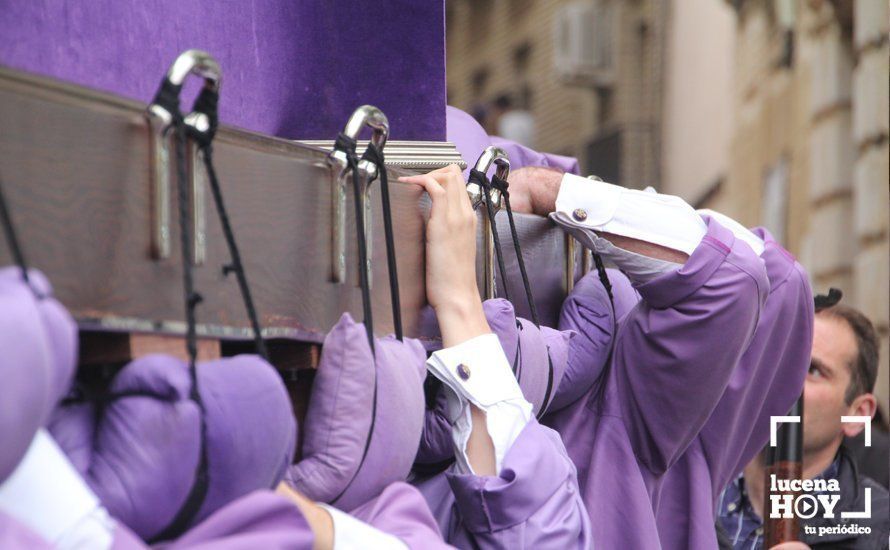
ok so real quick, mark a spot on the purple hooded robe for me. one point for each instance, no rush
(671, 359)
(766, 382)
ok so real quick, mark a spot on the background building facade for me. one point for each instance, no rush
(516, 48)
(772, 111)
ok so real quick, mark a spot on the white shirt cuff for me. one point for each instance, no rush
(46, 494)
(352, 534)
(584, 206)
(477, 372)
(738, 230)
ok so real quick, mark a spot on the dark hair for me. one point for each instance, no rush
(864, 368)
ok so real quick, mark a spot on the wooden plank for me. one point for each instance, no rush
(108, 348)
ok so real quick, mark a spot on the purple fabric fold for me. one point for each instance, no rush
(466, 134)
(522, 156)
(124, 539)
(623, 292)
(401, 511)
(768, 379)
(436, 444)
(588, 306)
(261, 519)
(534, 502)
(471, 139)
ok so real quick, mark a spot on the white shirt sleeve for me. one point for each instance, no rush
(46, 494)
(477, 372)
(353, 534)
(584, 206)
(738, 230)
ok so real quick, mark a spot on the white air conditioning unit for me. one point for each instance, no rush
(584, 38)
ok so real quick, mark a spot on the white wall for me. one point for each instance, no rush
(698, 101)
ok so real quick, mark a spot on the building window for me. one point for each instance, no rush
(479, 81)
(603, 157)
(480, 20)
(522, 55)
(774, 200)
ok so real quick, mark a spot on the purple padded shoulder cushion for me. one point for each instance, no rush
(38, 340)
(139, 453)
(365, 417)
(527, 347)
(538, 357)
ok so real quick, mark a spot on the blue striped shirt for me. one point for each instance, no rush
(738, 518)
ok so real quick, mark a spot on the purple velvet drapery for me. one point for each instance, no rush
(293, 69)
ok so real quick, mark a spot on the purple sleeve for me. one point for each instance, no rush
(533, 503)
(588, 313)
(625, 295)
(770, 374)
(401, 511)
(676, 350)
(261, 519)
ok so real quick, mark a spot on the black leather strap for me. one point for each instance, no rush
(347, 145)
(12, 240)
(374, 155)
(198, 491)
(502, 186)
(480, 179)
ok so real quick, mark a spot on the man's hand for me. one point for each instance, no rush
(451, 256)
(451, 284)
(533, 190)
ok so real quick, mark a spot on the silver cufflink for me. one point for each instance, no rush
(463, 371)
(579, 214)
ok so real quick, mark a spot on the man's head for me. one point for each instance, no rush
(843, 369)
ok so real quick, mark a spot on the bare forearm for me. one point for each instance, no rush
(451, 290)
(480, 448)
(460, 320)
(543, 187)
(645, 248)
